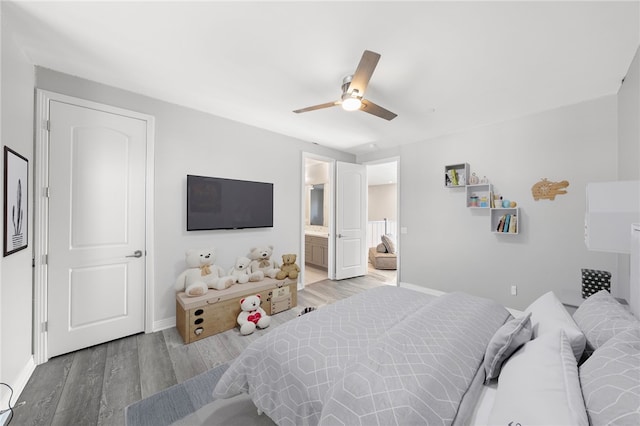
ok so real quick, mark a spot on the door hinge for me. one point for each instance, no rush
(45, 192)
(45, 259)
(47, 125)
(45, 326)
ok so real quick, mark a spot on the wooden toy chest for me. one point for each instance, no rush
(217, 311)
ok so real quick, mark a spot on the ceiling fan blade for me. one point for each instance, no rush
(371, 108)
(363, 73)
(315, 107)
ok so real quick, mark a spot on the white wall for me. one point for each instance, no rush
(628, 148)
(449, 247)
(192, 142)
(17, 81)
(629, 124)
(383, 202)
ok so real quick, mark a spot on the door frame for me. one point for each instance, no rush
(41, 214)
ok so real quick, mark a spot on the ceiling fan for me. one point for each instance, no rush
(353, 88)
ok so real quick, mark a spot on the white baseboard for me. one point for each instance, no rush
(163, 324)
(18, 386)
(422, 289)
(4, 418)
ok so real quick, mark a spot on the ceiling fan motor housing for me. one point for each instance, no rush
(346, 82)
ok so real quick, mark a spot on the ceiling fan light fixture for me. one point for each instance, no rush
(351, 103)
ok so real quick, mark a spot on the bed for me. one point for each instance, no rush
(394, 356)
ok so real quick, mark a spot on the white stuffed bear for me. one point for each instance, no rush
(260, 261)
(202, 273)
(252, 315)
(241, 271)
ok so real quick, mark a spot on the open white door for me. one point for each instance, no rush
(351, 220)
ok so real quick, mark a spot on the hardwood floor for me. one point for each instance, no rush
(94, 385)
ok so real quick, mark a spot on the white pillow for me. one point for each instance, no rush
(548, 315)
(539, 385)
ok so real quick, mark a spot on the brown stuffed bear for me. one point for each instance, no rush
(288, 268)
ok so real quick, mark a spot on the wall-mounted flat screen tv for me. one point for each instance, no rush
(218, 203)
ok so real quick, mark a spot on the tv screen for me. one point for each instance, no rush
(217, 203)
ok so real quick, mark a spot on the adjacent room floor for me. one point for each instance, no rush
(313, 274)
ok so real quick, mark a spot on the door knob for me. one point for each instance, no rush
(137, 253)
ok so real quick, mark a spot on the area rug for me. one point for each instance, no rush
(175, 403)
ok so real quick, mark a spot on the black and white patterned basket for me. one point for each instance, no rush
(593, 281)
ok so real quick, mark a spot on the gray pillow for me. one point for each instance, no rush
(389, 242)
(513, 334)
(380, 248)
(600, 317)
(610, 381)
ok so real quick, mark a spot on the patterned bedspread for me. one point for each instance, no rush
(383, 357)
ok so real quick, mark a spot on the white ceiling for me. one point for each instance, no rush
(475, 63)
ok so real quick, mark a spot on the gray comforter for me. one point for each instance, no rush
(383, 357)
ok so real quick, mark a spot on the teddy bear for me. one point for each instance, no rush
(288, 268)
(261, 261)
(252, 315)
(241, 272)
(202, 273)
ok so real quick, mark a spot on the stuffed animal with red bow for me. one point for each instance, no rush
(252, 315)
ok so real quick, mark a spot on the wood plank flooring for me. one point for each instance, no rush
(94, 385)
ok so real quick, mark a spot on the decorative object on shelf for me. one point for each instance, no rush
(16, 194)
(508, 224)
(547, 190)
(456, 175)
(484, 180)
(452, 177)
(478, 196)
(473, 179)
(506, 204)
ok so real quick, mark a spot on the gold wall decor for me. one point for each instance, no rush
(547, 190)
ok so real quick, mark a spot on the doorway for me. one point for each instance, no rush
(318, 214)
(382, 220)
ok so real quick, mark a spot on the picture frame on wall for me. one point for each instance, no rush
(16, 196)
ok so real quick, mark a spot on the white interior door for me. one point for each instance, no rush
(96, 247)
(351, 220)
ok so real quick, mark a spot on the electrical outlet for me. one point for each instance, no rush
(514, 290)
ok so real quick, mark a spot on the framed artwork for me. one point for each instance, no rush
(16, 196)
